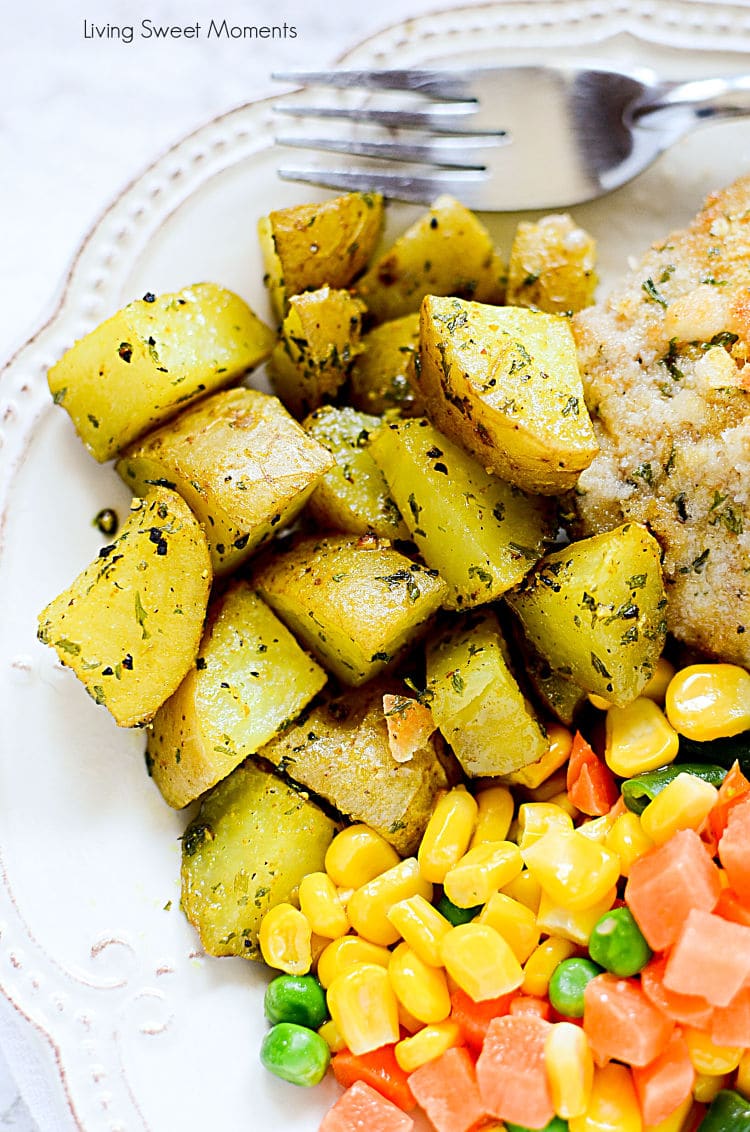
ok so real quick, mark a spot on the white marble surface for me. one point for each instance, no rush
(80, 117)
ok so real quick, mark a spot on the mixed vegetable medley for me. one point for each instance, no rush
(487, 823)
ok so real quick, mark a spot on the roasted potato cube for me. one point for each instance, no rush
(504, 383)
(447, 251)
(557, 694)
(340, 751)
(482, 535)
(353, 496)
(242, 463)
(252, 842)
(129, 626)
(551, 266)
(382, 376)
(596, 611)
(151, 359)
(476, 701)
(319, 339)
(311, 245)
(355, 603)
(250, 679)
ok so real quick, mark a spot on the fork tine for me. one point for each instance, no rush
(453, 85)
(467, 185)
(457, 152)
(450, 117)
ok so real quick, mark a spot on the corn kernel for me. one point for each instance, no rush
(709, 701)
(421, 926)
(571, 869)
(423, 990)
(482, 871)
(480, 961)
(526, 889)
(683, 804)
(358, 854)
(320, 904)
(560, 741)
(542, 963)
(573, 924)
(368, 907)
(656, 689)
(346, 952)
(537, 818)
(570, 1069)
(448, 833)
(675, 1122)
(563, 801)
(639, 738)
(331, 1035)
(494, 815)
(284, 939)
(365, 1009)
(407, 1021)
(599, 702)
(551, 786)
(742, 1084)
(706, 1086)
(613, 1104)
(709, 1058)
(429, 1043)
(596, 829)
(628, 840)
(514, 921)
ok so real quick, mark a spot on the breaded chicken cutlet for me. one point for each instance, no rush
(665, 362)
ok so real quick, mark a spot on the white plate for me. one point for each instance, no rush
(146, 1030)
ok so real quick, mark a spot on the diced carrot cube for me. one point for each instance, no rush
(733, 849)
(446, 1088)
(666, 1082)
(473, 1018)
(669, 881)
(590, 783)
(621, 1023)
(689, 1009)
(730, 907)
(511, 1071)
(361, 1109)
(732, 791)
(730, 1025)
(530, 1004)
(710, 953)
(377, 1068)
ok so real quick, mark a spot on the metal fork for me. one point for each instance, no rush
(506, 138)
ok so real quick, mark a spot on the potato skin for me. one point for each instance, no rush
(596, 611)
(504, 383)
(249, 680)
(447, 251)
(382, 376)
(355, 603)
(316, 245)
(151, 359)
(551, 266)
(130, 624)
(242, 463)
(252, 842)
(340, 751)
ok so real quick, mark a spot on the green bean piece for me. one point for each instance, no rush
(618, 945)
(639, 791)
(296, 998)
(454, 914)
(728, 1112)
(720, 752)
(568, 983)
(295, 1054)
(556, 1124)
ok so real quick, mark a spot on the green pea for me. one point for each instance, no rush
(617, 943)
(569, 980)
(454, 914)
(556, 1124)
(728, 1112)
(296, 998)
(295, 1054)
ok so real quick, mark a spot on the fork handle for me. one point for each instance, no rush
(702, 99)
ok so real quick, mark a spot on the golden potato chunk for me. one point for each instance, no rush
(340, 750)
(596, 611)
(129, 626)
(447, 251)
(476, 701)
(151, 359)
(252, 842)
(319, 338)
(382, 376)
(355, 603)
(250, 679)
(551, 266)
(504, 383)
(314, 245)
(353, 496)
(482, 535)
(242, 463)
